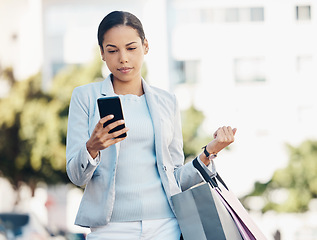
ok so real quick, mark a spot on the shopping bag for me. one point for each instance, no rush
(244, 231)
(202, 216)
(247, 227)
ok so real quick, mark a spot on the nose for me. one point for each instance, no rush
(123, 57)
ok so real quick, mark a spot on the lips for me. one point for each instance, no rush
(125, 69)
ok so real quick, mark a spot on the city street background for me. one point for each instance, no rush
(247, 64)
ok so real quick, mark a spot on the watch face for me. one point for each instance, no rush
(212, 156)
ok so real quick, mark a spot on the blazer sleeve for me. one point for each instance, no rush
(78, 167)
(186, 175)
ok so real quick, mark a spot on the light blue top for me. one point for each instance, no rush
(139, 194)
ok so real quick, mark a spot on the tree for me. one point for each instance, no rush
(192, 120)
(291, 188)
(33, 126)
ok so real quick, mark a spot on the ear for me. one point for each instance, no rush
(146, 46)
(101, 52)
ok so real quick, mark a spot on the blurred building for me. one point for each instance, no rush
(20, 38)
(47, 35)
(70, 30)
(251, 65)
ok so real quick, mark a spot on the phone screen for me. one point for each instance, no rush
(111, 105)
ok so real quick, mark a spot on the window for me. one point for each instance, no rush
(220, 15)
(208, 15)
(305, 68)
(303, 13)
(232, 15)
(252, 14)
(248, 70)
(257, 14)
(185, 16)
(304, 64)
(57, 66)
(187, 71)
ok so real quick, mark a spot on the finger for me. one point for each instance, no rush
(230, 134)
(226, 130)
(113, 125)
(111, 139)
(229, 129)
(105, 119)
(114, 141)
(221, 136)
(216, 133)
(234, 131)
(118, 133)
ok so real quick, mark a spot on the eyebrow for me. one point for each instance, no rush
(128, 44)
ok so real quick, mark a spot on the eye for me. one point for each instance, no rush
(112, 51)
(131, 48)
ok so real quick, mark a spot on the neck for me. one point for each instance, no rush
(123, 88)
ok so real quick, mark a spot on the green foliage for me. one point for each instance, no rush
(33, 126)
(144, 71)
(298, 181)
(192, 119)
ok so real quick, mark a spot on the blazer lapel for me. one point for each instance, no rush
(107, 91)
(154, 107)
(152, 102)
(107, 87)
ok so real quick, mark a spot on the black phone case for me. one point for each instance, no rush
(111, 105)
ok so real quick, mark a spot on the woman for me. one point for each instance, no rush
(129, 181)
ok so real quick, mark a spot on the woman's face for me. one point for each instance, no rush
(124, 52)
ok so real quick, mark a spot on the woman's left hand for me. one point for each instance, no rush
(223, 137)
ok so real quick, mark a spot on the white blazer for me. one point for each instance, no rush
(99, 195)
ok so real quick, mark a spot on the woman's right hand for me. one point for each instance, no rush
(101, 138)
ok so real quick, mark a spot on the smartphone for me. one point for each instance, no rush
(111, 105)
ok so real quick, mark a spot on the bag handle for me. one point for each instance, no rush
(211, 180)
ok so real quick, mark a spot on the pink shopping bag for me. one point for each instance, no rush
(247, 227)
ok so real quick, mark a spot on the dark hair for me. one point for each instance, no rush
(116, 18)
